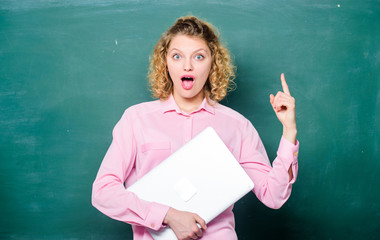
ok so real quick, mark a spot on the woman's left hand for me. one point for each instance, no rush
(284, 106)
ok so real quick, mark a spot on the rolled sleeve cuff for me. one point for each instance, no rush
(288, 153)
(156, 216)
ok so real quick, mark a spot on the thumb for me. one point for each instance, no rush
(201, 222)
(271, 98)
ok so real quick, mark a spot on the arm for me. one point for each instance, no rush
(111, 198)
(109, 195)
(273, 185)
(283, 105)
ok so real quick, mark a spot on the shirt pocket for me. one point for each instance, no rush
(152, 154)
(155, 146)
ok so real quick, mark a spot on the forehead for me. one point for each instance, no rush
(184, 42)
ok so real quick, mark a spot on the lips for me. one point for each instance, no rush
(187, 81)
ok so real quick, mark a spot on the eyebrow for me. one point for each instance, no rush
(200, 49)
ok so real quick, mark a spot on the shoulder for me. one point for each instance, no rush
(135, 113)
(235, 120)
(234, 128)
(229, 113)
(144, 108)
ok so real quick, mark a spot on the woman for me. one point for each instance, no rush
(190, 72)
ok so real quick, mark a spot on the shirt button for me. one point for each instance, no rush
(152, 225)
(295, 154)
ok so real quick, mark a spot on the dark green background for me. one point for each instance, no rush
(68, 69)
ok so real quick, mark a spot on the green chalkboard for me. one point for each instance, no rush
(68, 69)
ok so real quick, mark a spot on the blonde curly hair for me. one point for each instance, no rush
(222, 72)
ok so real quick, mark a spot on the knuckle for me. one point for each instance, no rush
(191, 236)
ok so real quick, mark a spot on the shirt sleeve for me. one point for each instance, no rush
(109, 194)
(272, 183)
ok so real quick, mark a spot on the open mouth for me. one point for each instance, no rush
(187, 82)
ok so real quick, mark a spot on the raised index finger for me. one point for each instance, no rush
(284, 84)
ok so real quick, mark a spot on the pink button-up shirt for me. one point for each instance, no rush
(149, 132)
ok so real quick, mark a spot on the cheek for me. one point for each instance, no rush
(206, 70)
(170, 70)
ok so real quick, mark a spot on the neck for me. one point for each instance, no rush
(189, 105)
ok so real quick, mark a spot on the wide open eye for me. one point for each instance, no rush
(176, 56)
(199, 57)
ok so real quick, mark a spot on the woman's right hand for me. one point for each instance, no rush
(184, 224)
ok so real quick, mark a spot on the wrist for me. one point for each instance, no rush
(290, 135)
(167, 216)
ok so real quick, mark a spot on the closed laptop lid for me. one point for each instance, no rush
(201, 177)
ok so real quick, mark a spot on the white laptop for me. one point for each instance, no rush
(201, 177)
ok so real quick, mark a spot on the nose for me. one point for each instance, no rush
(188, 66)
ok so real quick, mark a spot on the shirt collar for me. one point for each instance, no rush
(170, 105)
